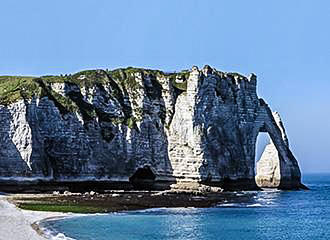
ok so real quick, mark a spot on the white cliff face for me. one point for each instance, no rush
(206, 132)
(20, 132)
(184, 138)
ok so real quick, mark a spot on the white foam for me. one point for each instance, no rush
(49, 234)
(262, 199)
(240, 194)
(61, 236)
(270, 190)
(250, 192)
(151, 210)
(255, 205)
(231, 205)
(167, 210)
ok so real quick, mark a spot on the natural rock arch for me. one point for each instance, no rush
(104, 125)
(277, 167)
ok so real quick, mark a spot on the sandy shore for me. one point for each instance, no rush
(17, 224)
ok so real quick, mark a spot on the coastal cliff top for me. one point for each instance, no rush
(14, 88)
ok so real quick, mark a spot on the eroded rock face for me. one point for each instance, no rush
(278, 169)
(203, 130)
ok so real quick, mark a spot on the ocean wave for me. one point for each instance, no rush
(233, 205)
(49, 234)
(240, 194)
(255, 205)
(250, 192)
(228, 205)
(166, 210)
(264, 199)
(240, 205)
(149, 210)
(270, 190)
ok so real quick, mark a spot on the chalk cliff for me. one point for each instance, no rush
(136, 127)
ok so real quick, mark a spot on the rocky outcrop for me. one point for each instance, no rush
(131, 126)
(278, 169)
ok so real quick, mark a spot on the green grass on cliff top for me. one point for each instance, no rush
(14, 88)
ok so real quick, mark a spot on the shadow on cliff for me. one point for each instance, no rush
(222, 115)
(153, 168)
(69, 154)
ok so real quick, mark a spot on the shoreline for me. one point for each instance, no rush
(45, 207)
(45, 232)
(19, 224)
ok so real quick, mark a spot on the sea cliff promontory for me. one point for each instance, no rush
(140, 128)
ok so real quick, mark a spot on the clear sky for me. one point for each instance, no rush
(286, 43)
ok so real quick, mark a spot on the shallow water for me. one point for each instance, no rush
(264, 215)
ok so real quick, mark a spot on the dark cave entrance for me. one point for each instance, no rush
(143, 178)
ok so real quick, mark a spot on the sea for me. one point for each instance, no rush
(270, 214)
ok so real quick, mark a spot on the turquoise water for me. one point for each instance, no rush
(265, 215)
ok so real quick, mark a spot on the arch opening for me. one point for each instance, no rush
(262, 141)
(267, 162)
(143, 178)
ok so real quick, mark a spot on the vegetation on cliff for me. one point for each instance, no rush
(14, 88)
(68, 92)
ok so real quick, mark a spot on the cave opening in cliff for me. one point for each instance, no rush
(143, 178)
(262, 140)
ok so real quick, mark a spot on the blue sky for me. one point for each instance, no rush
(286, 43)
